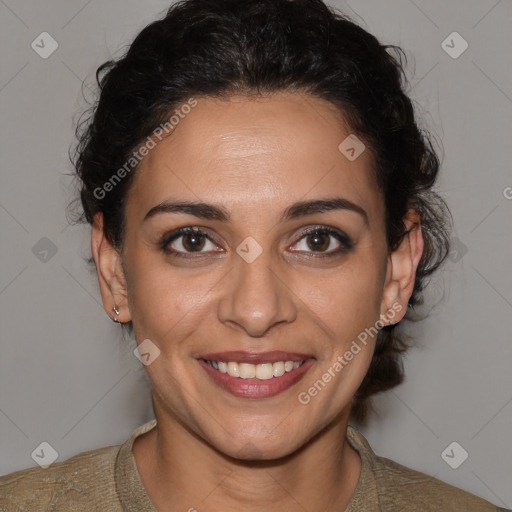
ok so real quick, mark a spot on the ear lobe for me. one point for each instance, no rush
(401, 273)
(111, 277)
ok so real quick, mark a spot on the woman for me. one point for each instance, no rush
(262, 217)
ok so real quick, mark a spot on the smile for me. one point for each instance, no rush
(249, 375)
(263, 371)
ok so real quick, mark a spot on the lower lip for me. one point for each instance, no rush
(256, 388)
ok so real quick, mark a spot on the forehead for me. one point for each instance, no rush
(256, 152)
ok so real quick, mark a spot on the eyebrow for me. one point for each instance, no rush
(296, 210)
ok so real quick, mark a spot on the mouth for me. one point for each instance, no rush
(253, 375)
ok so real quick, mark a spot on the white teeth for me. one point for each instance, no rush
(263, 371)
(278, 369)
(233, 369)
(247, 371)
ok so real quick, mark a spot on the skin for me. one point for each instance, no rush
(254, 157)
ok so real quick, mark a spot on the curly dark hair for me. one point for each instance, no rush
(220, 48)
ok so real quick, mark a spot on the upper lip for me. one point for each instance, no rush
(240, 356)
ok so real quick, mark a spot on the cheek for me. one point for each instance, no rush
(165, 301)
(346, 301)
(347, 306)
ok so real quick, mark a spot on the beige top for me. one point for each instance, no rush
(107, 480)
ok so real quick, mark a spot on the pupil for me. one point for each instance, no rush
(193, 242)
(315, 241)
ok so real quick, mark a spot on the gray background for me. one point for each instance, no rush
(67, 377)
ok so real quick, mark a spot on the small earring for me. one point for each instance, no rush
(115, 309)
(390, 323)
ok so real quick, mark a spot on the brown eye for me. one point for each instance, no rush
(324, 241)
(193, 242)
(318, 241)
(188, 240)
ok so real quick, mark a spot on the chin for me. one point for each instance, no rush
(257, 448)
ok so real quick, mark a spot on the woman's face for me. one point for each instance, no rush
(253, 282)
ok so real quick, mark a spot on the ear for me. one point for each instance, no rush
(110, 272)
(401, 272)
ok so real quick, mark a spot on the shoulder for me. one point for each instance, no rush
(398, 488)
(83, 482)
(406, 489)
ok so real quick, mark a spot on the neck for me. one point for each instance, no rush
(180, 471)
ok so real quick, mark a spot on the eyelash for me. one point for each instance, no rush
(342, 238)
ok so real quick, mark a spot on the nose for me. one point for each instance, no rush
(256, 298)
